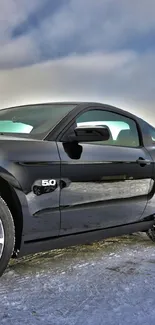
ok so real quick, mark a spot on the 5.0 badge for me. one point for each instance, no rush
(48, 182)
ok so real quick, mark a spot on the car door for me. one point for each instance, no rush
(104, 184)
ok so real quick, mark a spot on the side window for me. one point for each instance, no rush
(123, 129)
(152, 135)
(149, 135)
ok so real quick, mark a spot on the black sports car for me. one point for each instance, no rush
(73, 173)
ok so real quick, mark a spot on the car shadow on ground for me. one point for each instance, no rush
(59, 259)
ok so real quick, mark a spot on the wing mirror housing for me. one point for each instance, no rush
(88, 134)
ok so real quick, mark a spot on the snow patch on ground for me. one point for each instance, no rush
(110, 282)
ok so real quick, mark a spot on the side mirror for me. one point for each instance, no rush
(89, 134)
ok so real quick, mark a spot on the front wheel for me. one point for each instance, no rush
(7, 235)
(151, 233)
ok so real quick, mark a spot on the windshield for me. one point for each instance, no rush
(32, 120)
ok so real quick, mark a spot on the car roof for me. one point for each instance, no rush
(81, 104)
(76, 103)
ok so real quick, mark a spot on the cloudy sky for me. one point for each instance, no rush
(102, 50)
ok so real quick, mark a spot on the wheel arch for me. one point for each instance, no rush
(9, 195)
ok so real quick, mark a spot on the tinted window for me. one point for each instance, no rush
(149, 134)
(152, 135)
(123, 129)
(32, 119)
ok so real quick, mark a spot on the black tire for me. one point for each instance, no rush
(151, 234)
(9, 235)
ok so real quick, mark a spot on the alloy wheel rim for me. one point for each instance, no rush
(1, 238)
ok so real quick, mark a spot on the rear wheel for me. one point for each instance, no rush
(7, 235)
(151, 233)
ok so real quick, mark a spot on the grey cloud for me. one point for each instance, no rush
(95, 25)
(77, 27)
(13, 12)
(18, 53)
(121, 78)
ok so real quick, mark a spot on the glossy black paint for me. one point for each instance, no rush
(101, 190)
(83, 238)
(27, 162)
(107, 187)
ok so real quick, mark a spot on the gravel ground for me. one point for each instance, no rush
(110, 282)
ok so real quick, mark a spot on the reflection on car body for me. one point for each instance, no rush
(72, 173)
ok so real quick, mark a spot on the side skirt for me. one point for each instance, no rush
(46, 244)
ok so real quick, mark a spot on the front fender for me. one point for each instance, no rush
(10, 178)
